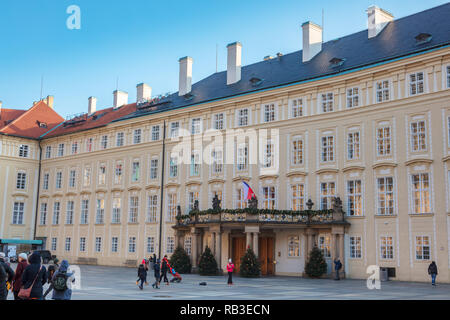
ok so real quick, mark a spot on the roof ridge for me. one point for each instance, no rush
(21, 116)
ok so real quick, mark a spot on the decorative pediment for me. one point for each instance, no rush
(351, 168)
(296, 173)
(418, 161)
(327, 170)
(384, 164)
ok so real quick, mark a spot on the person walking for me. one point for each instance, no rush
(6, 275)
(34, 277)
(142, 275)
(157, 274)
(337, 267)
(61, 282)
(50, 272)
(17, 280)
(433, 271)
(164, 269)
(230, 269)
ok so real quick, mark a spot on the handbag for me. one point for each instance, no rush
(26, 293)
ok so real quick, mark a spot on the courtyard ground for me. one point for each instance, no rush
(115, 283)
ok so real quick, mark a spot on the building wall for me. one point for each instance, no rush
(432, 107)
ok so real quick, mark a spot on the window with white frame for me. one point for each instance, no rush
(114, 244)
(192, 197)
(421, 193)
(241, 202)
(150, 244)
(327, 149)
(118, 173)
(56, 211)
(153, 169)
(23, 151)
(353, 97)
(74, 147)
(21, 180)
(217, 160)
(119, 139)
(354, 198)
(89, 142)
(137, 136)
(116, 210)
(171, 206)
(58, 184)
(72, 178)
(269, 154)
(325, 245)
(45, 178)
(242, 157)
(386, 248)
(18, 213)
(448, 76)
(152, 207)
(104, 142)
(155, 133)
(293, 246)
(132, 244)
(196, 125)
(135, 171)
(297, 108)
(67, 246)
(416, 84)
(385, 193)
(418, 136)
(43, 220)
(355, 247)
(87, 177)
(84, 216)
(297, 151)
(269, 198)
(327, 194)
(134, 209)
(48, 152)
(70, 206)
(102, 174)
(422, 248)
(382, 91)
(195, 164)
(61, 150)
(384, 141)
(82, 244)
(298, 197)
(174, 129)
(269, 112)
(173, 166)
(54, 242)
(242, 117)
(98, 244)
(218, 121)
(170, 244)
(100, 214)
(327, 102)
(353, 146)
(188, 245)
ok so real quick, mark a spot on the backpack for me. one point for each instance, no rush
(60, 282)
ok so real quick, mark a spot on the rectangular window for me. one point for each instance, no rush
(48, 152)
(118, 173)
(152, 208)
(387, 248)
(153, 169)
(98, 244)
(170, 244)
(174, 129)
(132, 244)
(135, 171)
(384, 141)
(325, 245)
(188, 245)
(296, 108)
(89, 142)
(192, 197)
(84, 212)
(171, 206)
(327, 193)
(243, 117)
(119, 139)
(195, 164)
(382, 91)
(69, 212)
(422, 248)
(269, 112)
(242, 157)
(354, 198)
(18, 213)
(297, 151)
(298, 197)
(150, 245)
(448, 76)
(352, 97)
(134, 210)
(21, 180)
(327, 149)
(87, 177)
(218, 121)
(23, 151)
(355, 247)
(421, 193)
(102, 174)
(418, 136)
(155, 133)
(43, 220)
(269, 198)
(100, 214)
(293, 246)
(196, 126)
(104, 142)
(327, 102)
(56, 211)
(61, 150)
(241, 202)
(74, 147)
(137, 136)
(416, 83)
(72, 178)
(353, 146)
(116, 210)
(54, 242)
(68, 244)
(269, 155)
(82, 244)
(173, 167)
(58, 184)
(217, 161)
(114, 244)
(385, 186)
(45, 182)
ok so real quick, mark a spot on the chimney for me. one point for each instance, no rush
(49, 101)
(185, 84)
(144, 92)
(92, 105)
(377, 20)
(120, 98)
(234, 62)
(312, 40)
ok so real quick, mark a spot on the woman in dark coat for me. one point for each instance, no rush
(164, 269)
(157, 274)
(142, 275)
(35, 269)
(17, 280)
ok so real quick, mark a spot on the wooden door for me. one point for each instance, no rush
(266, 255)
(238, 252)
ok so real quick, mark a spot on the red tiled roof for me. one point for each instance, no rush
(95, 120)
(8, 115)
(26, 122)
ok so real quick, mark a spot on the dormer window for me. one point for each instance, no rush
(336, 62)
(422, 38)
(255, 81)
(189, 96)
(41, 124)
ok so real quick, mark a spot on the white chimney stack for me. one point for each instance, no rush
(185, 84)
(234, 62)
(120, 98)
(1, 103)
(377, 20)
(312, 40)
(49, 101)
(92, 105)
(144, 92)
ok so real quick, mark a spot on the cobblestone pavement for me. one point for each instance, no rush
(112, 283)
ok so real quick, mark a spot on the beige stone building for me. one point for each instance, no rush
(365, 118)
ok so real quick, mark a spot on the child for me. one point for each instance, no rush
(142, 275)
(157, 274)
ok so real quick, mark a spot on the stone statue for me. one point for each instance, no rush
(216, 203)
(178, 211)
(253, 203)
(196, 205)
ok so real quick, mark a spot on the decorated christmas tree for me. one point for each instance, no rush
(250, 266)
(208, 264)
(180, 261)
(316, 265)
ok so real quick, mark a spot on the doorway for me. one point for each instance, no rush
(266, 254)
(238, 252)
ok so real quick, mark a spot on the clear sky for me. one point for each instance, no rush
(141, 41)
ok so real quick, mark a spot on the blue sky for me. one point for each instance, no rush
(142, 40)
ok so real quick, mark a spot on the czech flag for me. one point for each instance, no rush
(248, 192)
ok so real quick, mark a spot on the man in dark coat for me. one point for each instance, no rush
(33, 271)
(21, 266)
(164, 269)
(6, 274)
(157, 274)
(337, 267)
(433, 271)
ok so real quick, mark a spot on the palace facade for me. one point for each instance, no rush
(365, 118)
